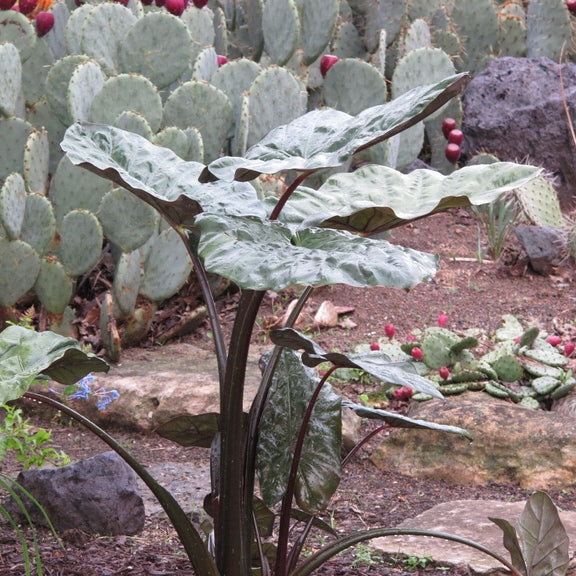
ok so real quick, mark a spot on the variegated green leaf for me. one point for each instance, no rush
(377, 198)
(155, 174)
(267, 255)
(25, 355)
(319, 471)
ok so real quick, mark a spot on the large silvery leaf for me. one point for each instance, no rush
(155, 174)
(25, 354)
(377, 198)
(329, 138)
(375, 363)
(319, 470)
(266, 255)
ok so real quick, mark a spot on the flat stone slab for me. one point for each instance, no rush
(158, 384)
(511, 443)
(468, 519)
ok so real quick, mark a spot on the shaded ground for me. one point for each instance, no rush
(472, 294)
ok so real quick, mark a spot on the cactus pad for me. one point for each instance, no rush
(53, 286)
(200, 24)
(508, 368)
(133, 122)
(35, 71)
(130, 92)
(544, 385)
(127, 282)
(318, 24)
(37, 162)
(175, 139)
(167, 266)
(158, 46)
(421, 66)
(12, 205)
(39, 225)
(104, 31)
(19, 267)
(86, 81)
(73, 29)
(57, 85)
(73, 187)
(281, 28)
(436, 350)
(540, 203)
(205, 64)
(548, 29)
(10, 78)
(276, 97)
(127, 221)
(80, 242)
(16, 29)
(204, 107)
(14, 133)
(353, 86)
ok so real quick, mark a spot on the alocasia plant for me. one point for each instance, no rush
(290, 439)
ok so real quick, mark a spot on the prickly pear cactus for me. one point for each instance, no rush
(281, 29)
(207, 108)
(318, 22)
(275, 97)
(158, 46)
(520, 365)
(539, 201)
(549, 29)
(19, 268)
(476, 22)
(370, 86)
(10, 78)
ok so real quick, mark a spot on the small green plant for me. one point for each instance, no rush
(413, 562)
(30, 443)
(364, 555)
(498, 220)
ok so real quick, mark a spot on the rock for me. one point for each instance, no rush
(532, 448)
(514, 110)
(544, 245)
(157, 385)
(98, 495)
(468, 519)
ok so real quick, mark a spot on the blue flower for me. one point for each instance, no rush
(84, 392)
(83, 389)
(105, 397)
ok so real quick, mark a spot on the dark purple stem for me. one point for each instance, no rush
(287, 193)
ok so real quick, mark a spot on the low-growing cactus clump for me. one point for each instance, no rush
(525, 366)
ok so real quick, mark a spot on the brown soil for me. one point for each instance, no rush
(471, 293)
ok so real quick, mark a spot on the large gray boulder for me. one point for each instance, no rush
(532, 448)
(514, 109)
(98, 495)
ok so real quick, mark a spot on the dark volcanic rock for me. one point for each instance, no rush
(515, 110)
(98, 495)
